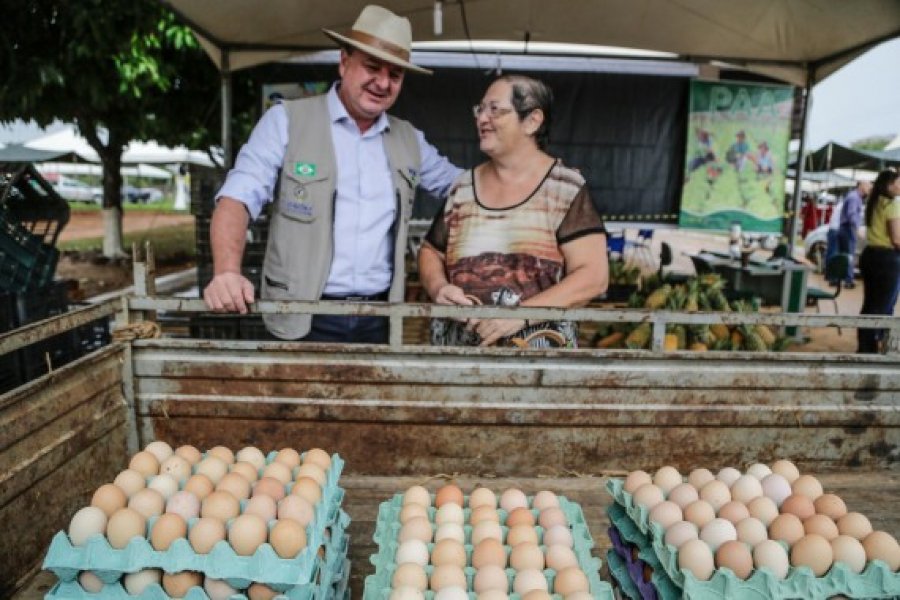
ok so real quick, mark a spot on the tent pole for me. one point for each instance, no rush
(798, 175)
(226, 109)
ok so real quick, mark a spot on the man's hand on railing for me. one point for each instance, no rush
(229, 292)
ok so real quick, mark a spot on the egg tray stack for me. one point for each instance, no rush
(309, 576)
(378, 586)
(631, 556)
(876, 581)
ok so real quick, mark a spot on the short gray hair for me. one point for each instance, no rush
(529, 94)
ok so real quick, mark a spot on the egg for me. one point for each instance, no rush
(522, 534)
(451, 593)
(484, 513)
(699, 513)
(683, 494)
(489, 552)
(559, 557)
(185, 504)
(167, 528)
(696, 557)
(449, 494)
(88, 521)
(266, 508)
(520, 516)
(165, 484)
(569, 581)
(454, 531)
(850, 551)
(482, 496)
(144, 463)
(310, 470)
(303, 487)
(123, 525)
(205, 533)
(418, 528)
(236, 485)
(681, 532)
(89, 582)
(812, 551)
(296, 508)
(447, 576)
(223, 453)
(213, 467)
(526, 555)
(287, 538)
(734, 511)
(449, 513)
(189, 453)
(529, 579)
(130, 481)
(406, 593)
(245, 470)
(666, 514)
(808, 486)
(787, 528)
(700, 477)
(831, 506)
(445, 552)
(667, 478)
(880, 545)
(252, 455)
(728, 475)
(648, 496)
(161, 450)
(199, 485)
(759, 470)
(764, 509)
(417, 495)
(413, 551)
(220, 505)
(821, 525)
(786, 469)
(746, 488)
(319, 457)
(537, 595)
(490, 577)
(109, 498)
(771, 555)
(545, 499)
(513, 498)
(135, 583)
(246, 534)
(260, 591)
(855, 525)
(751, 531)
(551, 517)
(716, 493)
(580, 596)
(275, 489)
(636, 479)
(735, 556)
(218, 589)
(484, 530)
(558, 535)
(798, 505)
(407, 512)
(148, 502)
(177, 467)
(717, 532)
(177, 585)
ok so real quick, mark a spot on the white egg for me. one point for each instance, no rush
(776, 488)
(681, 532)
(717, 532)
(759, 470)
(88, 521)
(136, 583)
(728, 475)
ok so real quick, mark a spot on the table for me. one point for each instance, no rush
(780, 282)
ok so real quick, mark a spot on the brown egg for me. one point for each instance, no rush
(109, 498)
(526, 555)
(245, 470)
(189, 453)
(880, 545)
(308, 489)
(786, 469)
(667, 478)
(260, 591)
(205, 533)
(284, 474)
(855, 525)
(123, 525)
(89, 582)
(528, 580)
(448, 552)
(849, 551)
(144, 463)
(264, 506)
(716, 493)
(751, 531)
(447, 576)
(418, 528)
(289, 457)
(222, 452)
(288, 538)
(482, 496)
(699, 513)
(683, 494)
(520, 516)
(490, 577)
(449, 493)
(764, 509)
(235, 485)
(539, 595)
(484, 513)
(488, 529)
(410, 575)
(807, 485)
(734, 511)
(821, 525)
(552, 516)
(700, 477)
(319, 457)
(252, 455)
(635, 480)
(812, 551)
(130, 482)
(200, 486)
(665, 514)
(296, 508)
(570, 581)
(273, 488)
(213, 467)
(177, 585)
(787, 528)
(831, 506)
(246, 534)
(735, 556)
(220, 505)
(799, 505)
(149, 503)
(412, 510)
(648, 496)
(168, 528)
(560, 557)
(176, 466)
(696, 557)
(489, 552)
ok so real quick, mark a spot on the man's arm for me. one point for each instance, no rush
(229, 290)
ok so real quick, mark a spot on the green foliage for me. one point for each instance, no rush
(876, 142)
(168, 242)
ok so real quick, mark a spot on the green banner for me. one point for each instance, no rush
(736, 156)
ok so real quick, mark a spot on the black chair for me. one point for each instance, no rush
(665, 259)
(836, 269)
(615, 244)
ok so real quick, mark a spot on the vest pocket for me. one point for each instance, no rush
(303, 199)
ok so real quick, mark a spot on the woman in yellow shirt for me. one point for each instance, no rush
(880, 261)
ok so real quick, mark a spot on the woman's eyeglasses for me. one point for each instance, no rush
(493, 111)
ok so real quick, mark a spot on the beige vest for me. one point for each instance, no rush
(301, 232)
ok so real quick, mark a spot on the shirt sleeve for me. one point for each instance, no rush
(252, 179)
(438, 173)
(437, 233)
(581, 219)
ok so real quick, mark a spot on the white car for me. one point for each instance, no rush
(75, 190)
(816, 243)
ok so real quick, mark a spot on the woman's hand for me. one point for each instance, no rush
(492, 330)
(453, 295)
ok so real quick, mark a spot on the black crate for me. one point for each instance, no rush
(228, 327)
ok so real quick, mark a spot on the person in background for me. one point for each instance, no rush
(831, 237)
(851, 219)
(880, 260)
(519, 229)
(346, 174)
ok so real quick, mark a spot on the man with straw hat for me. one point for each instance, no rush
(343, 175)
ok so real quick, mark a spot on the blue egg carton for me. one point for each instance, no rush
(876, 580)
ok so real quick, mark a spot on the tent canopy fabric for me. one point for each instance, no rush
(785, 39)
(17, 153)
(835, 156)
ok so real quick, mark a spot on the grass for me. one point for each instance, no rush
(166, 205)
(168, 243)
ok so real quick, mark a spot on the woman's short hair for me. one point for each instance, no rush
(530, 94)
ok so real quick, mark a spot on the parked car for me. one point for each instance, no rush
(144, 195)
(816, 243)
(74, 190)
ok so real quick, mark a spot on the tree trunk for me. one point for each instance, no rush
(111, 159)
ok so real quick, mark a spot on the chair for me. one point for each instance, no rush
(836, 269)
(615, 244)
(665, 259)
(641, 245)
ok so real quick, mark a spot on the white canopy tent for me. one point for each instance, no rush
(139, 170)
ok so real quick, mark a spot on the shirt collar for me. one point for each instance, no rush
(338, 112)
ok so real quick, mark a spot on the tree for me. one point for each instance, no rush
(875, 142)
(120, 70)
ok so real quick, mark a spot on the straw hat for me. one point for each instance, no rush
(382, 34)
